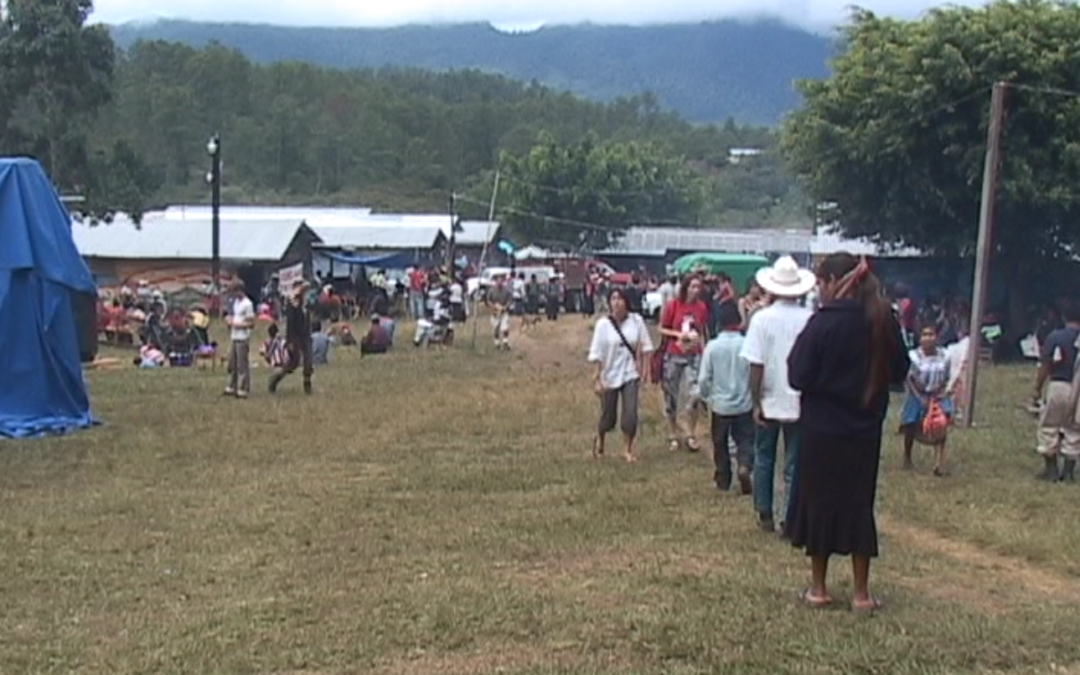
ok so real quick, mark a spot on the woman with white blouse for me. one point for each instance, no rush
(620, 350)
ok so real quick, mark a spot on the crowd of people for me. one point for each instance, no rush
(807, 358)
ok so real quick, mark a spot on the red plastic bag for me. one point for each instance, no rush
(936, 423)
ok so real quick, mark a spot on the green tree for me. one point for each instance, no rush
(121, 182)
(588, 194)
(896, 136)
(59, 72)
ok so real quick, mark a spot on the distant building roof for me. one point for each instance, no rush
(369, 234)
(828, 241)
(657, 241)
(297, 213)
(471, 233)
(190, 239)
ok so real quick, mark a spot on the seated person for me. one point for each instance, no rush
(377, 340)
(150, 357)
(320, 344)
(347, 338)
(437, 327)
(275, 350)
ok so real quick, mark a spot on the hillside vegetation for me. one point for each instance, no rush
(394, 139)
(706, 72)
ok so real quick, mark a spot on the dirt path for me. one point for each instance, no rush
(984, 580)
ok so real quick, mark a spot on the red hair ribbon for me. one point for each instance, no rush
(853, 278)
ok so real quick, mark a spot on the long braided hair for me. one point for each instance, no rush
(855, 281)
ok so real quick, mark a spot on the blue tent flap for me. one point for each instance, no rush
(393, 260)
(42, 390)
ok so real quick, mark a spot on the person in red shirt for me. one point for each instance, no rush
(684, 330)
(417, 291)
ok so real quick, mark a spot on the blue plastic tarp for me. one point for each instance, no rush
(385, 260)
(42, 390)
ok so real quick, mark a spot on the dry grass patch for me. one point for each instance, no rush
(436, 512)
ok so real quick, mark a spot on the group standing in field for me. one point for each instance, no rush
(805, 358)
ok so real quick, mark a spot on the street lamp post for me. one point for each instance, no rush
(213, 148)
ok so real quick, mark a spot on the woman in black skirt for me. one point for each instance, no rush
(843, 364)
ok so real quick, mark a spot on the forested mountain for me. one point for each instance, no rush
(393, 139)
(706, 72)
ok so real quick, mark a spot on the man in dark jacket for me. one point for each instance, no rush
(297, 338)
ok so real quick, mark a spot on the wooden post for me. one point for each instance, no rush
(483, 256)
(983, 248)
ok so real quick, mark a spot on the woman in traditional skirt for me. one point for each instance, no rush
(843, 364)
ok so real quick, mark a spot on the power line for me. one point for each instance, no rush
(554, 219)
(1056, 91)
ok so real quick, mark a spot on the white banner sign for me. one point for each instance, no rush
(288, 275)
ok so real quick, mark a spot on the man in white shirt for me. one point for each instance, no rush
(241, 321)
(771, 335)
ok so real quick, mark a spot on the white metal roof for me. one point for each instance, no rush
(472, 232)
(190, 239)
(828, 241)
(372, 234)
(658, 241)
(297, 213)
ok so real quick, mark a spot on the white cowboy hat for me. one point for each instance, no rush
(785, 279)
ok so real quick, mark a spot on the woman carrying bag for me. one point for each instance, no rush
(620, 350)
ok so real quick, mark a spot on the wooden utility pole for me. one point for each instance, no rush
(450, 253)
(483, 255)
(983, 248)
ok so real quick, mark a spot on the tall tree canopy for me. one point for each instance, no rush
(896, 137)
(57, 75)
(587, 194)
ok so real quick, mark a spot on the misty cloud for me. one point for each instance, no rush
(814, 14)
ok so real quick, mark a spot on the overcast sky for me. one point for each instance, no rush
(507, 13)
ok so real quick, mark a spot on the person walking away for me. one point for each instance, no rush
(769, 340)
(843, 364)
(241, 321)
(498, 301)
(620, 349)
(553, 298)
(533, 296)
(724, 385)
(928, 383)
(297, 338)
(1058, 432)
(683, 327)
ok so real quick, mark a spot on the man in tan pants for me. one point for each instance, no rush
(1059, 432)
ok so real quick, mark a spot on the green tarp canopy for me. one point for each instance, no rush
(740, 267)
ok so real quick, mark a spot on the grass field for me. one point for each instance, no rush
(437, 513)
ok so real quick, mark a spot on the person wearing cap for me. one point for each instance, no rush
(769, 340)
(297, 337)
(240, 319)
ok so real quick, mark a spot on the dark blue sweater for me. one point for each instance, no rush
(830, 365)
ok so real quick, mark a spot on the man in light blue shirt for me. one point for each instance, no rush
(724, 382)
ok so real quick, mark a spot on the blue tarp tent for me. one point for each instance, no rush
(41, 381)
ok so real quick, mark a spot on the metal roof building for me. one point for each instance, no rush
(263, 213)
(828, 241)
(190, 239)
(658, 241)
(470, 233)
(367, 234)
